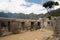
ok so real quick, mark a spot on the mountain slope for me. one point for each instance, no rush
(53, 13)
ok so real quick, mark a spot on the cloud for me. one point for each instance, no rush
(4, 0)
(12, 6)
(21, 6)
(56, 7)
(36, 8)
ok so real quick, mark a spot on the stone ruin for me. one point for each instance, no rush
(56, 28)
(54, 25)
(14, 26)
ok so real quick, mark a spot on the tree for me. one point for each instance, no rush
(50, 4)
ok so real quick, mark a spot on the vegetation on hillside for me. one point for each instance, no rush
(53, 13)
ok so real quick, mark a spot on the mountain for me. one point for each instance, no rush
(7, 15)
(53, 13)
(20, 15)
(29, 16)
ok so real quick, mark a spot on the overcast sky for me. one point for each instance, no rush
(24, 6)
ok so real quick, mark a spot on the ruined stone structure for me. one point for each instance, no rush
(14, 25)
(46, 23)
(56, 28)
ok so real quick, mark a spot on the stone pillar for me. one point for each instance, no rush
(49, 25)
(9, 26)
(21, 26)
(14, 28)
(27, 25)
(41, 22)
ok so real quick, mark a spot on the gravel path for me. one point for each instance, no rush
(29, 35)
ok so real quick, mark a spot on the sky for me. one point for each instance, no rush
(24, 6)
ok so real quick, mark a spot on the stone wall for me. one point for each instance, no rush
(46, 23)
(19, 25)
(56, 28)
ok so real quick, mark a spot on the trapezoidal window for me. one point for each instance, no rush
(48, 22)
(4, 24)
(23, 24)
(9, 26)
(32, 23)
(38, 23)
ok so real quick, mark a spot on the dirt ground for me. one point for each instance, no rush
(40, 34)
